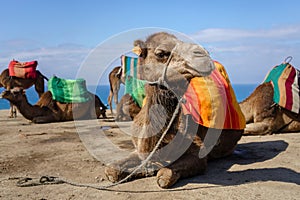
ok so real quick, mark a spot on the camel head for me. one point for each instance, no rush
(14, 95)
(183, 60)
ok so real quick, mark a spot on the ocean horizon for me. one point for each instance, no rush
(242, 91)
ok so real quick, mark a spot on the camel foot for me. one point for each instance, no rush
(114, 174)
(166, 177)
(111, 175)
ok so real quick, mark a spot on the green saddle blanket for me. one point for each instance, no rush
(68, 91)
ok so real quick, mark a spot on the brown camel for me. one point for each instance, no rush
(9, 82)
(127, 109)
(47, 110)
(186, 147)
(264, 117)
(115, 81)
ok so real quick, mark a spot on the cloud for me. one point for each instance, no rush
(229, 35)
(249, 54)
(62, 60)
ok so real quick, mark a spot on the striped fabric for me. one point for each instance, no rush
(130, 66)
(68, 91)
(22, 69)
(212, 102)
(133, 83)
(285, 80)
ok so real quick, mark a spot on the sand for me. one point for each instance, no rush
(263, 167)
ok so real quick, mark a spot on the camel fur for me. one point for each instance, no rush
(47, 110)
(127, 109)
(9, 82)
(264, 117)
(184, 151)
(115, 81)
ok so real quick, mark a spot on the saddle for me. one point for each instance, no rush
(68, 90)
(211, 101)
(23, 69)
(285, 80)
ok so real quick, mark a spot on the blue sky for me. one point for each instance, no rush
(249, 37)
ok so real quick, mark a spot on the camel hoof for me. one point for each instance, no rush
(166, 177)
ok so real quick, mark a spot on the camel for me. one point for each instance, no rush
(169, 65)
(9, 82)
(264, 117)
(47, 110)
(127, 109)
(115, 81)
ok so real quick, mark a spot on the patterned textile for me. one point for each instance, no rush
(285, 80)
(22, 70)
(212, 102)
(133, 84)
(68, 91)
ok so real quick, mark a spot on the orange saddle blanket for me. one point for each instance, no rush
(22, 69)
(212, 102)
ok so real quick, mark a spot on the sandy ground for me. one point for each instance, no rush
(264, 167)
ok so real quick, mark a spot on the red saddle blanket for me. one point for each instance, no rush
(22, 69)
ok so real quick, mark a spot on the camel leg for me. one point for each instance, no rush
(293, 127)
(186, 166)
(258, 128)
(120, 169)
(44, 119)
(109, 100)
(13, 111)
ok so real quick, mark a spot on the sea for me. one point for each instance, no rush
(241, 91)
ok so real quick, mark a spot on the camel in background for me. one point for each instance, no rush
(263, 116)
(115, 81)
(47, 110)
(9, 82)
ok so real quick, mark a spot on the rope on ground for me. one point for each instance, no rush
(50, 180)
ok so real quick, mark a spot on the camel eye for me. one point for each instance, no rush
(162, 54)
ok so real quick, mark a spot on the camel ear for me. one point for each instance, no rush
(140, 48)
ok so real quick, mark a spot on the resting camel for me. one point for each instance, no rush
(127, 109)
(169, 65)
(47, 110)
(9, 82)
(264, 117)
(115, 81)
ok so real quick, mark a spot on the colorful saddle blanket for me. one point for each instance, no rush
(212, 102)
(133, 83)
(22, 69)
(68, 91)
(286, 82)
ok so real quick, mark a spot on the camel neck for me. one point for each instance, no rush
(25, 108)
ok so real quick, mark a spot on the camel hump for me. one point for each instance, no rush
(45, 99)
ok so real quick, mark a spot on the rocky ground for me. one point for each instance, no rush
(263, 167)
